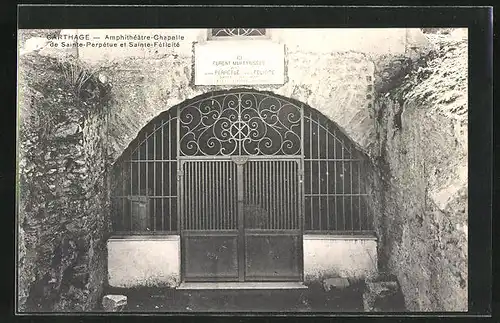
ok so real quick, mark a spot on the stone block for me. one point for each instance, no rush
(335, 283)
(66, 130)
(114, 303)
(381, 294)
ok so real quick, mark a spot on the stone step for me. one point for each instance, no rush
(241, 285)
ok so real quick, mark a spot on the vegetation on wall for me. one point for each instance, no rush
(420, 187)
(62, 184)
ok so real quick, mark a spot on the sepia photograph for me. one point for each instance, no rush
(242, 170)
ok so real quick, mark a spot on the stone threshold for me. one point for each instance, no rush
(241, 285)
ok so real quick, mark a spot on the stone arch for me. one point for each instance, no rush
(141, 173)
(207, 95)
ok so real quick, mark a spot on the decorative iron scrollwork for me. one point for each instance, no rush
(221, 32)
(240, 123)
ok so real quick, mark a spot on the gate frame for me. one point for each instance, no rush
(299, 159)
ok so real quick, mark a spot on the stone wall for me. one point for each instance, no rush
(63, 195)
(338, 85)
(419, 182)
(332, 70)
(327, 256)
(144, 261)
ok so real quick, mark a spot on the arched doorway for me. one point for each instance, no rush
(241, 176)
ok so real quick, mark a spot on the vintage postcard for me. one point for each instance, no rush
(242, 170)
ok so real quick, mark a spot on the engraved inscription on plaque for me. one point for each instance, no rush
(239, 63)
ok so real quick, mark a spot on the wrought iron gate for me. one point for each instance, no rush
(254, 172)
(241, 219)
(240, 162)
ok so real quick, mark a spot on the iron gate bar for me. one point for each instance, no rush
(169, 181)
(147, 178)
(154, 177)
(131, 193)
(162, 176)
(343, 189)
(335, 180)
(241, 225)
(122, 226)
(319, 174)
(327, 183)
(301, 198)
(350, 178)
(359, 198)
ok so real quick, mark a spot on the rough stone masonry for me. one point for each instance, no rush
(63, 186)
(419, 184)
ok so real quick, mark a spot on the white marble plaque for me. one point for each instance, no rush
(241, 62)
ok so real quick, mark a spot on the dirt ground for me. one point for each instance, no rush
(313, 299)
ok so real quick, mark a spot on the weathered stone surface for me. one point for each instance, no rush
(339, 85)
(61, 230)
(66, 130)
(33, 44)
(114, 303)
(335, 283)
(419, 186)
(379, 296)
